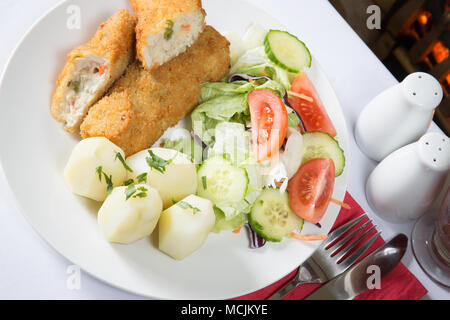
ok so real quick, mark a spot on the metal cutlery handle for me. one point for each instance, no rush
(288, 287)
(306, 274)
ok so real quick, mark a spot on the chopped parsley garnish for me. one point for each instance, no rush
(142, 194)
(108, 179)
(121, 159)
(205, 186)
(169, 30)
(174, 201)
(185, 205)
(131, 190)
(142, 177)
(99, 171)
(227, 156)
(128, 182)
(109, 189)
(156, 162)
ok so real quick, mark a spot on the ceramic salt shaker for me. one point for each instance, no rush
(398, 116)
(403, 186)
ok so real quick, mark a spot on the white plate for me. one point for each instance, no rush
(34, 150)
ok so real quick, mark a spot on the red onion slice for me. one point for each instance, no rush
(256, 241)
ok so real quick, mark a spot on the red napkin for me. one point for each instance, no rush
(399, 284)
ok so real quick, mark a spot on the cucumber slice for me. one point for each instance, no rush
(317, 144)
(220, 181)
(287, 51)
(272, 217)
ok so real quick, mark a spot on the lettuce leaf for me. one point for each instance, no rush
(256, 63)
(223, 224)
(219, 109)
(211, 90)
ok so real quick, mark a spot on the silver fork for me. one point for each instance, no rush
(322, 266)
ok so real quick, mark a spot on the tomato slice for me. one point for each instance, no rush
(269, 123)
(311, 188)
(311, 110)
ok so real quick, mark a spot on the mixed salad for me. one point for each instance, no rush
(263, 143)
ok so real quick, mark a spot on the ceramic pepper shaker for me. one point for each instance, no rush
(403, 186)
(398, 116)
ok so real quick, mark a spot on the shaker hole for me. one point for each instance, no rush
(420, 77)
(434, 160)
(440, 149)
(414, 93)
(427, 143)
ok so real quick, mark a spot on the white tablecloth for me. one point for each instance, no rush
(31, 269)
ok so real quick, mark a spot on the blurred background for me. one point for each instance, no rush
(414, 36)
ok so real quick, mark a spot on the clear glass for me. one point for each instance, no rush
(430, 242)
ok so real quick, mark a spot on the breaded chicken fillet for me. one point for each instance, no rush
(166, 28)
(92, 68)
(143, 104)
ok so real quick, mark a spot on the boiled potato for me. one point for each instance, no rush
(178, 179)
(82, 172)
(125, 221)
(184, 227)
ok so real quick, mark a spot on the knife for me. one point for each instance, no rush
(354, 281)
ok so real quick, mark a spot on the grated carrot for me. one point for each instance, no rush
(301, 96)
(339, 203)
(308, 238)
(237, 230)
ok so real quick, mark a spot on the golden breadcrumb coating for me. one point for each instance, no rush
(153, 16)
(143, 104)
(114, 42)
